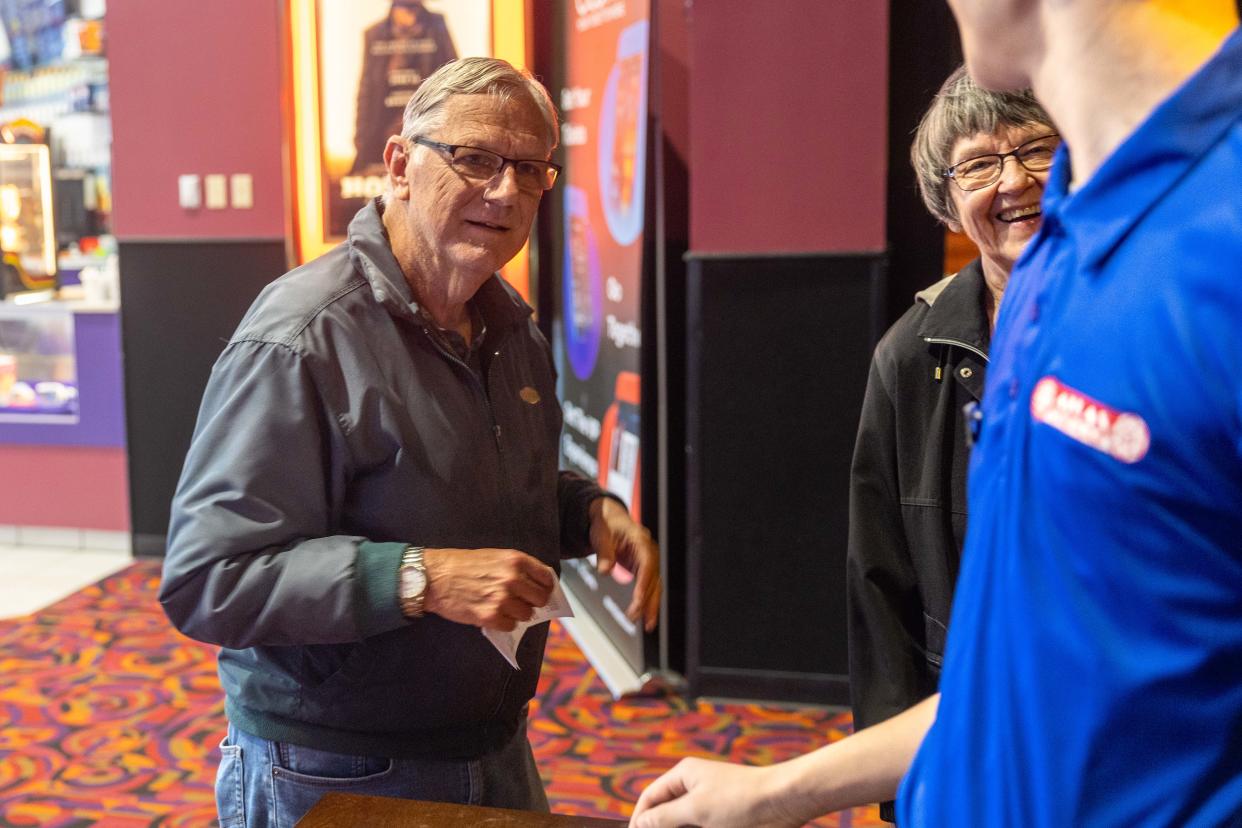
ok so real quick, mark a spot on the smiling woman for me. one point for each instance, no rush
(981, 159)
(996, 203)
(967, 123)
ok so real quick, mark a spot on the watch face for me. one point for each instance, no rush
(413, 582)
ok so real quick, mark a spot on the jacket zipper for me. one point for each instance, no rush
(500, 458)
(505, 497)
(487, 402)
(938, 341)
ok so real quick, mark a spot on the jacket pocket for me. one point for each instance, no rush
(328, 665)
(430, 674)
(934, 634)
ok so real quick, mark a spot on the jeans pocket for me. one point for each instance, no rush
(230, 793)
(303, 775)
(308, 762)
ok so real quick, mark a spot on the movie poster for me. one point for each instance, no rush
(373, 54)
(603, 102)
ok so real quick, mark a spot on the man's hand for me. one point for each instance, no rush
(617, 539)
(493, 588)
(714, 795)
(863, 768)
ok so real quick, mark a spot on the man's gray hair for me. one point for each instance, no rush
(961, 109)
(474, 76)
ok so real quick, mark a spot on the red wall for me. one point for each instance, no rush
(788, 122)
(75, 486)
(196, 88)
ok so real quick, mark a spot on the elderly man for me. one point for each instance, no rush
(1094, 666)
(373, 479)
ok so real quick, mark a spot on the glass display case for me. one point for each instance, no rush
(26, 235)
(38, 365)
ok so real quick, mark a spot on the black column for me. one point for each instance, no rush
(777, 355)
(181, 301)
(923, 50)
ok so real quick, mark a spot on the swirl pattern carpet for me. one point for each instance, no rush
(110, 718)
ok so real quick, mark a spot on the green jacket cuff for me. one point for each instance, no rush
(378, 609)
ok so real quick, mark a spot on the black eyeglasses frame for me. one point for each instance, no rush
(451, 150)
(1016, 153)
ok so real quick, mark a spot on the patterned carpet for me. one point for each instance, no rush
(109, 718)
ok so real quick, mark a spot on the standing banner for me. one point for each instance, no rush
(598, 330)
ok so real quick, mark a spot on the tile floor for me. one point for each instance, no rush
(32, 577)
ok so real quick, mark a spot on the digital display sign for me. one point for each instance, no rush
(599, 335)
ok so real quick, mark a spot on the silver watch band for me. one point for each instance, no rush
(412, 602)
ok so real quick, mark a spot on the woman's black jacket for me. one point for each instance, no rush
(908, 495)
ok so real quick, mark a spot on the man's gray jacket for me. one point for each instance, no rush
(334, 431)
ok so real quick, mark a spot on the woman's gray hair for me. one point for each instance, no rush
(474, 76)
(961, 109)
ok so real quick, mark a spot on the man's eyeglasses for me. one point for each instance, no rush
(985, 170)
(483, 165)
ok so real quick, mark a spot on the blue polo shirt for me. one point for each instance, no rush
(1093, 675)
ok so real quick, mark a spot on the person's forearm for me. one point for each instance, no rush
(862, 769)
(575, 495)
(306, 593)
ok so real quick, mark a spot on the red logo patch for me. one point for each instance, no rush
(1119, 434)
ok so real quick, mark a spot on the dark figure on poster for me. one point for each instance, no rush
(398, 53)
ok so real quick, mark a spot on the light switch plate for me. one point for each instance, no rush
(216, 192)
(189, 194)
(242, 185)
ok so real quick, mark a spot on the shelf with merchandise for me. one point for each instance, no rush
(76, 85)
(42, 32)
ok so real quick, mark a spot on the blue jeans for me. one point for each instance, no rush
(264, 784)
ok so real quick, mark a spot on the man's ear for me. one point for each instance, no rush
(397, 163)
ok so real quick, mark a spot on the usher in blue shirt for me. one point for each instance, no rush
(1094, 667)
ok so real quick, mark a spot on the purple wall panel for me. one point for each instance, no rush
(101, 418)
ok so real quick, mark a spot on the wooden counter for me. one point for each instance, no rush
(337, 810)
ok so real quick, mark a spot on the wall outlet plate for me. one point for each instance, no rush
(189, 193)
(216, 192)
(242, 185)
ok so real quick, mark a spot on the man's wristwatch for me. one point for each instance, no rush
(412, 582)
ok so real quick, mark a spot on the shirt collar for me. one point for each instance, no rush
(497, 302)
(958, 312)
(372, 256)
(1136, 176)
(451, 338)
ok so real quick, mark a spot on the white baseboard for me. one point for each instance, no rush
(53, 536)
(65, 537)
(107, 541)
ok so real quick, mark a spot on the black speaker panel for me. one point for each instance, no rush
(777, 355)
(182, 301)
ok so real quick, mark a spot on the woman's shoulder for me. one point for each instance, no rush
(904, 337)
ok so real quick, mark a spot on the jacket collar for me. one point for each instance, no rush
(370, 253)
(956, 310)
(1150, 162)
